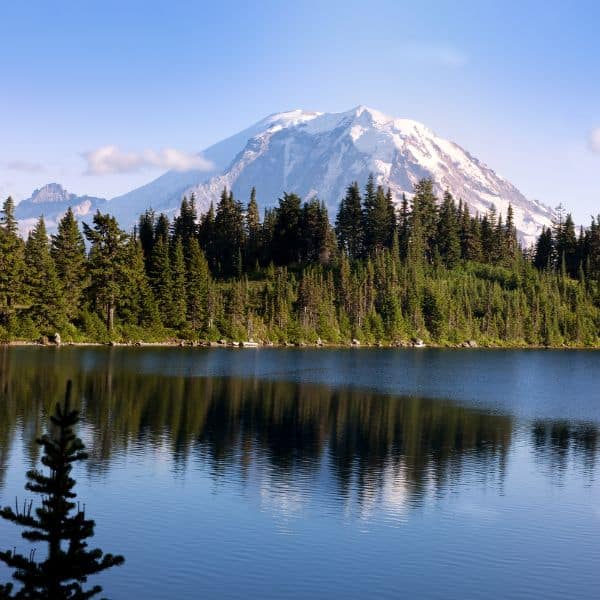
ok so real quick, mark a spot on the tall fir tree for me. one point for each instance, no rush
(253, 232)
(41, 280)
(137, 305)
(185, 225)
(59, 522)
(161, 280)
(198, 290)
(424, 205)
(229, 235)
(178, 281)
(68, 251)
(146, 225)
(318, 243)
(287, 238)
(11, 263)
(107, 261)
(349, 223)
(448, 233)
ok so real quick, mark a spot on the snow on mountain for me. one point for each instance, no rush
(51, 201)
(165, 193)
(320, 154)
(317, 154)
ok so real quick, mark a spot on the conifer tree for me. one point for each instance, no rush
(349, 223)
(566, 245)
(425, 207)
(470, 237)
(68, 251)
(178, 279)
(511, 243)
(161, 280)
(287, 239)
(403, 227)
(206, 236)
(11, 262)
(106, 264)
(229, 235)
(448, 236)
(162, 230)
(544, 257)
(369, 207)
(137, 305)
(42, 284)
(253, 232)
(315, 233)
(379, 219)
(146, 225)
(198, 289)
(59, 522)
(185, 226)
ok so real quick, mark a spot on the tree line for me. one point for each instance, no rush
(427, 268)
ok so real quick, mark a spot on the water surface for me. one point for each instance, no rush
(325, 473)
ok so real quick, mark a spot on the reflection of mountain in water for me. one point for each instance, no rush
(369, 443)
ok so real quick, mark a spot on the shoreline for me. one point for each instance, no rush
(302, 345)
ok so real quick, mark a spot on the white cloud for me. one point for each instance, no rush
(432, 54)
(594, 140)
(24, 166)
(108, 160)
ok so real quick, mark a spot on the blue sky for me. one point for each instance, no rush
(515, 83)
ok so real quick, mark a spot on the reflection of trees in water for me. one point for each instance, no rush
(556, 443)
(367, 441)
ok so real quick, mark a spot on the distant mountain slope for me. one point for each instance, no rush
(52, 201)
(313, 153)
(319, 154)
(165, 193)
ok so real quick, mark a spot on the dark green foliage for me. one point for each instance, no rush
(448, 233)
(425, 210)
(287, 240)
(11, 263)
(161, 280)
(107, 262)
(145, 233)
(59, 522)
(229, 236)
(137, 304)
(349, 223)
(185, 226)
(379, 218)
(42, 286)
(545, 252)
(198, 286)
(253, 250)
(178, 283)
(429, 269)
(68, 252)
(317, 241)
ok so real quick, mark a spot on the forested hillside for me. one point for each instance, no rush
(429, 270)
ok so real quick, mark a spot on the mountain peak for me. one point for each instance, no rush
(51, 192)
(51, 201)
(376, 115)
(315, 153)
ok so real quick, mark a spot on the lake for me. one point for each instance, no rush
(317, 473)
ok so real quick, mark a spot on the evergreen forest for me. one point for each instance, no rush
(377, 273)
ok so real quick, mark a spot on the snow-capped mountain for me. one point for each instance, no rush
(319, 154)
(51, 201)
(165, 193)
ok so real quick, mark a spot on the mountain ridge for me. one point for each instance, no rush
(314, 153)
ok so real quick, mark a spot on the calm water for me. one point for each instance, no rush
(325, 474)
